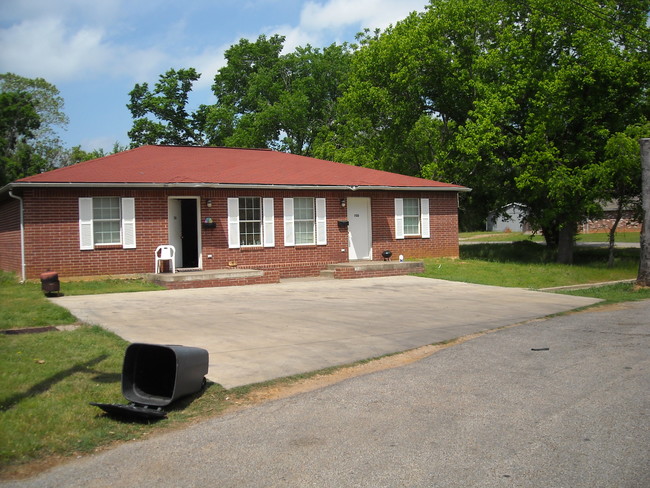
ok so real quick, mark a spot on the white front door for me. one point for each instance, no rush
(360, 229)
(175, 230)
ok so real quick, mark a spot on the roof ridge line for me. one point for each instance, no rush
(214, 147)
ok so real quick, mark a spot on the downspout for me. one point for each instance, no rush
(22, 236)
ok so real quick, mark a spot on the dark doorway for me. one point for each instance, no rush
(189, 234)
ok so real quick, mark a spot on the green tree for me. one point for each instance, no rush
(266, 99)
(574, 75)
(621, 176)
(161, 115)
(18, 123)
(19, 119)
(411, 91)
(244, 87)
(514, 99)
(30, 111)
(77, 155)
(47, 100)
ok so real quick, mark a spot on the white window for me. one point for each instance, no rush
(412, 218)
(305, 221)
(106, 221)
(250, 222)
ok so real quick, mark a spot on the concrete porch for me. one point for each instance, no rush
(372, 269)
(245, 276)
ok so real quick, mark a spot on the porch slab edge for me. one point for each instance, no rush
(219, 274)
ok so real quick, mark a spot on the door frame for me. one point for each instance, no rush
(367, 228)
(173, 241)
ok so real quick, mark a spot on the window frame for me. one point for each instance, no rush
(412, 216)
(259, 222)
(114, 204)
(311, 222)
(320, 222)
(267, 223)
(87, 219)
(424, 219)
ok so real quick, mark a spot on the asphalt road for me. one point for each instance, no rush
(490, 412)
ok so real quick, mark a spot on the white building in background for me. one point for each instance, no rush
(509, 218)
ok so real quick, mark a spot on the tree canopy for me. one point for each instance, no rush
(523, 101)
(514, 99)
(264, 99)
(160, 115)
(30, 111)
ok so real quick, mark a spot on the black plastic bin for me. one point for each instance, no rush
(156, 375)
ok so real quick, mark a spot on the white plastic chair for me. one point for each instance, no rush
(165, 253)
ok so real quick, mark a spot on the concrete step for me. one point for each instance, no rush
(407, 266)
(218, 274)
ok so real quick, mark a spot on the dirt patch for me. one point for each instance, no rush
(611, 307)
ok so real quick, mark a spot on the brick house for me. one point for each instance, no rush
(220, 208)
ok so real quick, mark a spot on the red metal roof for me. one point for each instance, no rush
(225, 166)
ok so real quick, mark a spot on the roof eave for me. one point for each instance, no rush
(232, 186)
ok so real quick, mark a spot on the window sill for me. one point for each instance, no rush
(251, 248)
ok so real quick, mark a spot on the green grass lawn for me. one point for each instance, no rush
(529, 265)
(604, 237)
(48, 379)
(26, 306)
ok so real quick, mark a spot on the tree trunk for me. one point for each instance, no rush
(565, 244)
(551, 236)
(643, 278)
(612, 233)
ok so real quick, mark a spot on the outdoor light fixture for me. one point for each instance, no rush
(343, 202)
(209, 203)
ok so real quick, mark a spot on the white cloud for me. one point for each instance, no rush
(103, 142)
(44, 48)
(77, 39)
(337, 14)
(50, 49)
(339, 20)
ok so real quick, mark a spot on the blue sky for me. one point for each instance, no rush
(95, 51)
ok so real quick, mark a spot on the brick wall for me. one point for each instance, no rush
(52, 232)
(10, 259)
(627, 223)
(443, 215)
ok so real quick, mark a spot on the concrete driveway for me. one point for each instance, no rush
(260, 332)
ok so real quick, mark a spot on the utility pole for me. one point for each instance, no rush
(643, 278)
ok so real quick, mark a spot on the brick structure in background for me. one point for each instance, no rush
(51, 210)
